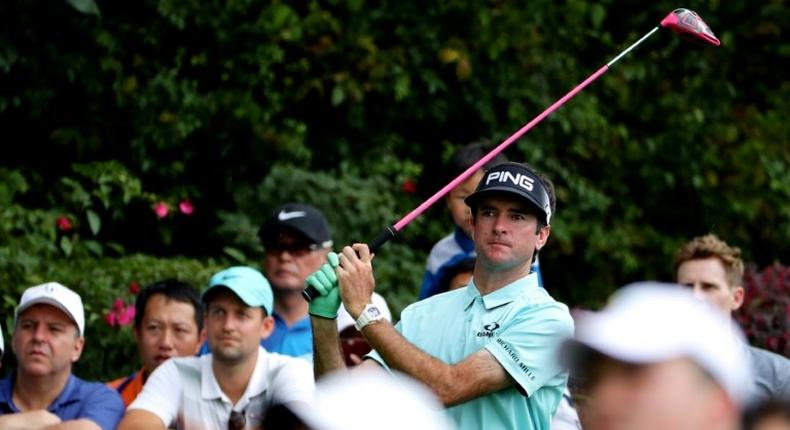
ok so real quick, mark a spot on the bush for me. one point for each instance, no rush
(357, 207)
(765, 314)
(110, 351)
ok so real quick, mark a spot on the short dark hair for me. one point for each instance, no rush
(469, 154)
(172, 289)
(549, 186)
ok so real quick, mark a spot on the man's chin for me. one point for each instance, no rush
(37, 369)
(228, 356)
(291, 286)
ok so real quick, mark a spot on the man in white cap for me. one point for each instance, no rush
(713, 270)
(233, 386)
(48, 339)
(488, 350)
(657, 358)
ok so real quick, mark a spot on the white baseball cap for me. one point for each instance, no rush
(371, 398)
(650, 322)
(54, 294)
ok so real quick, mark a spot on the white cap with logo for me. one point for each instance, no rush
(57, 295)
(650, 322)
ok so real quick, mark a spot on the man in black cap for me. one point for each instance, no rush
(296, 238)
(488, 350)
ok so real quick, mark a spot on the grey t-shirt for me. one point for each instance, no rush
(771, 373)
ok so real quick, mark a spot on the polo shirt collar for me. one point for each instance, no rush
(68, 395)
(504, 295)
(209, 387)
(302, 324)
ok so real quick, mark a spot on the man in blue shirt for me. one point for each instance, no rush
(489, 350)
(48, 338)
(296, 239)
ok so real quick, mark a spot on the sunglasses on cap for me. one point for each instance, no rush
(296, 248)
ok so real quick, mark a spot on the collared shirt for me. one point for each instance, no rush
(770, 373)
(184, 393)
(296, 340)
(128, 387)
(78, 400)
(521, 325)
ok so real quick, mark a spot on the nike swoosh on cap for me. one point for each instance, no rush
(285, 216)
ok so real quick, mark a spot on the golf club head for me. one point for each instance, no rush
(690, 26)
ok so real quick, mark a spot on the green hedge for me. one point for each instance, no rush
(111, 109)
(109, 351)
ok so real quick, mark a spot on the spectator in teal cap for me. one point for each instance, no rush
(247, 283)
(236, 382)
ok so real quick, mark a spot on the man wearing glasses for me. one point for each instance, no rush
(297, 239)
(234, 386)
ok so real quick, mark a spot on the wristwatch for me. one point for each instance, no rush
(370, 314)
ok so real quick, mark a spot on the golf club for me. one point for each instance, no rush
(684, 22)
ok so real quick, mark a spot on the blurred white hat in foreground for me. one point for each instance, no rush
(366, 399)
(650, 322)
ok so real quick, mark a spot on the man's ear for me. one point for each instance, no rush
(202, 336)
(543, 236)
(79, 343)
(267, 326)
(738, 294)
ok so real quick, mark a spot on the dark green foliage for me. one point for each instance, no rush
(108, 108)
(109, 352)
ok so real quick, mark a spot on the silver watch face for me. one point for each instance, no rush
(374, 312)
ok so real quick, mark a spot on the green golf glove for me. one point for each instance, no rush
(324, 280)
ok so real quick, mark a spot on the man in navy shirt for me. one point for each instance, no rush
(48, 338)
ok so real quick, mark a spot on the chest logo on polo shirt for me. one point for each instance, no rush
(488, 330)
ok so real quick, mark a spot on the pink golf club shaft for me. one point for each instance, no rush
(682, 21)
(403, 222)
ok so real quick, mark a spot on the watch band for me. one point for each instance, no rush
(370, 314)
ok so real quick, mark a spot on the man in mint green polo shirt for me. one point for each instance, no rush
(488, 350)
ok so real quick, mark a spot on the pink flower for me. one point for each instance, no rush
(63, 223)
(161, 209)
(120, 314)
(112, 319)
(127, 316)
(186, 207)
(134, 288)
(408, 187)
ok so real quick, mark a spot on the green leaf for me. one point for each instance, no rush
(66, 245)
(87, 7)
(235, 254)
(94, 247)
(93, 221)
